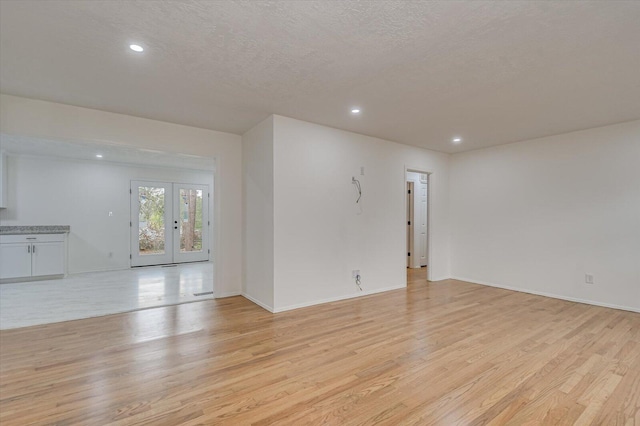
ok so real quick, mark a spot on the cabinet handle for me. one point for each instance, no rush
(29, 248)
(33, 248)
(32, 238)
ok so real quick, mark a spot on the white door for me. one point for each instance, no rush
(15, 260)
(169, 223)
(422, 222)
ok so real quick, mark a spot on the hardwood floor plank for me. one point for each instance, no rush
(435, 353)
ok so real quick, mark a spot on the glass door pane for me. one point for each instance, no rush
(151, 220)
(190, 220)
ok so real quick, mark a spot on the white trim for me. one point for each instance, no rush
(552, 295)
(223, 295)
(440, 279)
(335, 299)
(216, 246)
(257, 302)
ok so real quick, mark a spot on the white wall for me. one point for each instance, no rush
(27, 117)
(321, 234)
(257, 166)
(537, 215)
(534, 216)
(56, 191)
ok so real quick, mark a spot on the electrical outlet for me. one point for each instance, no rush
(355, 273)
(362, 171)
(588, 278)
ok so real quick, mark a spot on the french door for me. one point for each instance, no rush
(169, 223)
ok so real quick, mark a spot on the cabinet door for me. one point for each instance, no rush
(47, 259)
(15, 260)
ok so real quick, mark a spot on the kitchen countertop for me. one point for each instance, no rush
(45, 229)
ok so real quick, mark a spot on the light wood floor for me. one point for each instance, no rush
(440, 353)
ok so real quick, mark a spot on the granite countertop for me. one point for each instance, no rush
(46, 229)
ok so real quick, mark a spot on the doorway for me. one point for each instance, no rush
(169, 223)
(417, 211)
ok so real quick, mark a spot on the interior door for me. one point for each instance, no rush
(169, 223)
(151, 223)
(423, 219)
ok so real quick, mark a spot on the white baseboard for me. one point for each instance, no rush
(439, 279)
(259, 303)
(552, 295)
(335, 299)
(223, 295)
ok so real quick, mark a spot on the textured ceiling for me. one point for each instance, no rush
(422, 72)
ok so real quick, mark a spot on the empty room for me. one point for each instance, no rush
(292, 212)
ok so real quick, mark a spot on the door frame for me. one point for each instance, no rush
(430, 176)
(410, 213)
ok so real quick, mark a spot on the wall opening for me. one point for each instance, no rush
(417, 208)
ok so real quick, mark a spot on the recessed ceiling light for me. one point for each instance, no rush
(355, 110)
(457, 140)
(98, 155)
(136, 47)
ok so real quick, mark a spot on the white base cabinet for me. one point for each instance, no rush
(47, 259)
(37, 255)
(15, 260)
